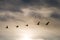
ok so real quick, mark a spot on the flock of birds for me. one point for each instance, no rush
(28, 25)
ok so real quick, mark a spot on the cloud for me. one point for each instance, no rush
(9, 5)
(53, 3)
(55, 16)
(35, 15)
(10, 16)
(17, 5)
(6, 17)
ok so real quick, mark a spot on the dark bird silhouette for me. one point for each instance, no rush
(38, 23)
(6, 26)
(27, 25)
(47, 23)
(17, 26)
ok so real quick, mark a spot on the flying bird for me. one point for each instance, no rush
(6, 26)
(27, 25)
(38, 23)
(47, 23)
(17, 26)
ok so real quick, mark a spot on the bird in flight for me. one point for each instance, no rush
(27, 25)
(38, 23)
(17, 26)
(6, 26)
(47, 23)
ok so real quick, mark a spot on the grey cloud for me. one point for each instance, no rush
(31, 2)
(10, 5)
(16, 5)
(5, 18)
(54, 3)
(35, 15)
(55, 16)
(51, 3)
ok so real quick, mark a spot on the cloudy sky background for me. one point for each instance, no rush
(22, 12)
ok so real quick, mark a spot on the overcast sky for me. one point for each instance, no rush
(22, 12)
